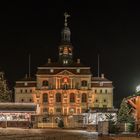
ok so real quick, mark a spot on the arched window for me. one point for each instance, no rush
(58, 97)
(72, 98)
(45, 97)
(45, 83)
(84, 97)
(84, 83)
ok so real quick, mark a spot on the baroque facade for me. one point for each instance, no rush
(65, 87)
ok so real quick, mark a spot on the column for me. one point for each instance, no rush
(71, 83)
(56, 83)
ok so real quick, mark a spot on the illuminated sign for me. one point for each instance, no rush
(138, 88)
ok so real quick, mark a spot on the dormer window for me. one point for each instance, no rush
(25, 83)
(101, 83)
(51, 70)
(78, 70)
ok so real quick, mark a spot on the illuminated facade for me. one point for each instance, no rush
(65, 87)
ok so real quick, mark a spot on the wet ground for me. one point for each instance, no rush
(56, 134)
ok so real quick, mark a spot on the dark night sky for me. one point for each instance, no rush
(109, 28)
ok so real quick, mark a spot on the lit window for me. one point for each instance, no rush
(51, 70)
(25, 83)
(84, 97)
(78, 70)
(45, 83)
(72, 98)
(65, 61)
(45, 97)
(45, 109)
(58, 109)
(101, 83)
(58, 97)
(84, 83)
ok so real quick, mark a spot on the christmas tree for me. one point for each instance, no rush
(5, 93)
(124, 115)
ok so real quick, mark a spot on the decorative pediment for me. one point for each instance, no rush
(65, 72)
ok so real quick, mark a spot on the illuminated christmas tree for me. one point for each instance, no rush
(5, 93)
(124, 115)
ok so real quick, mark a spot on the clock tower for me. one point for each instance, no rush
(65, 48)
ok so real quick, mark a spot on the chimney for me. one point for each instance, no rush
(78, 61)
(49, 60)
(102, 76)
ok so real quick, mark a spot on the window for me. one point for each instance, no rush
(84, 97)
(25, 83)
(30, 90)
(58, 97)
(106, 91)
(58, 109)
(84, 110)
(101, 83)
(104, 106)
(65, 61)
(72, 98)
(101, 91)
(84, 83)
(25, 90)
(30, 100)
(95, 91)
(78, 70)
(51, 70)
(21, 90)
(22, 100)
(104, 100)
(45, 109)
(45, 97)
(45, 83)
(96, 100)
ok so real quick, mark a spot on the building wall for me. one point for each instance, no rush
(96, 97)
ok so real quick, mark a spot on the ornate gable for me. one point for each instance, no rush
(65, 72)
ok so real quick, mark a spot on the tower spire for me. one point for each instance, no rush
(66, 15)
(66, 31)
(65, 48)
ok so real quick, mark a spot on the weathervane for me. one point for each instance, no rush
(66, 15)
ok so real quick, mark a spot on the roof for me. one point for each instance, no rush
(100, 82)
(57, 64)
(99, 79)
(21, 107)
(73, 70)
(22, 84)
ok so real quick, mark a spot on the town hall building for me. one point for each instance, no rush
(65, 87)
